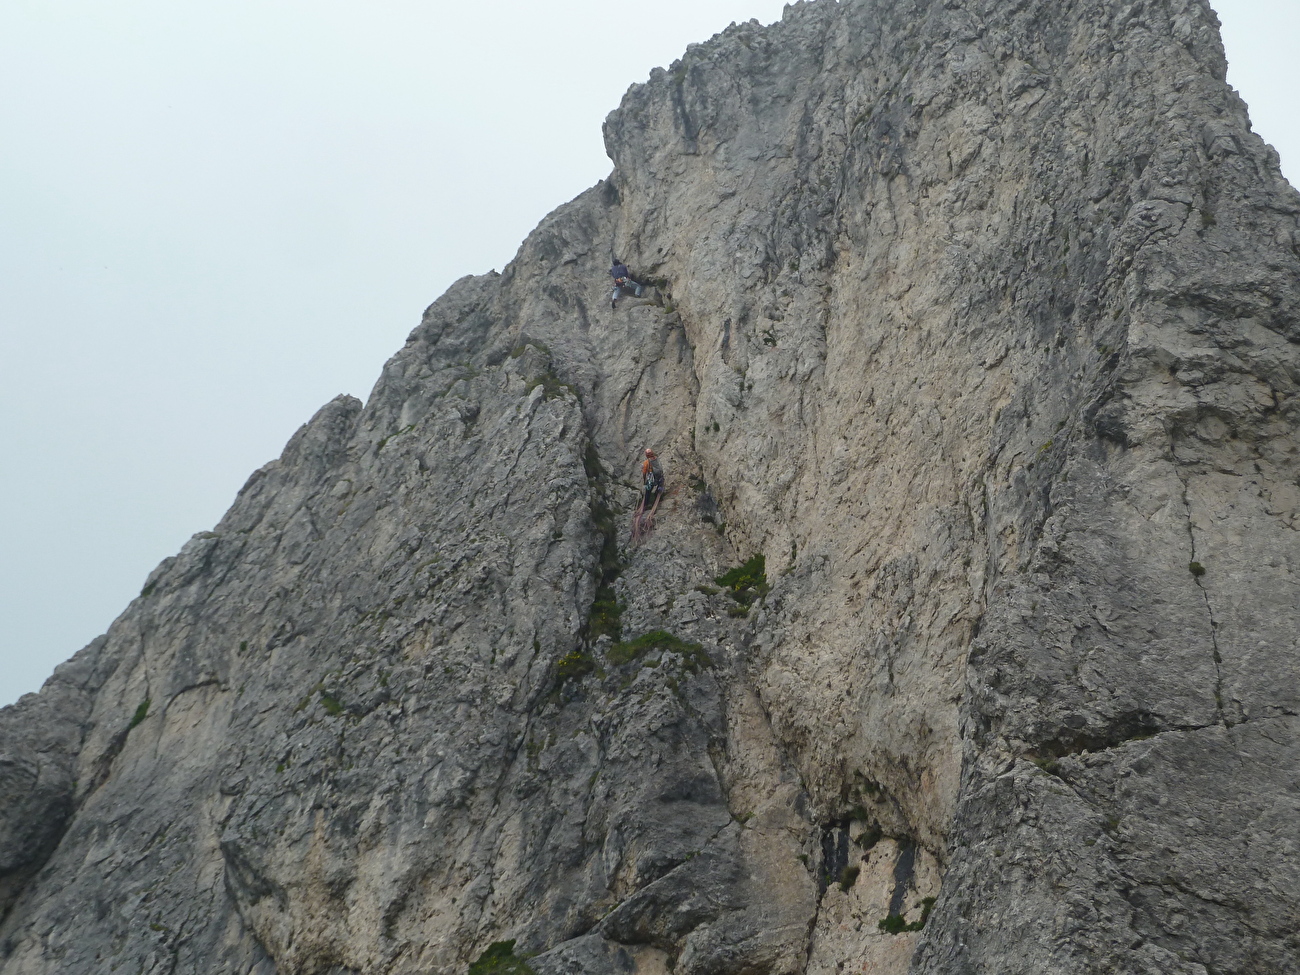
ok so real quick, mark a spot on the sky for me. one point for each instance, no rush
(216, 216)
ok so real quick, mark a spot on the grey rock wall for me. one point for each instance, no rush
(979, 321)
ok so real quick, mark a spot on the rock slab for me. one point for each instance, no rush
(980, 322)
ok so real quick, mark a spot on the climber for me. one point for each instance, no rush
(652, 490)
(623, 282)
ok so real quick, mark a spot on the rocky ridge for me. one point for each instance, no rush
(979, 322)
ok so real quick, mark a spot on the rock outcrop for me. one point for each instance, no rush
(980, 322)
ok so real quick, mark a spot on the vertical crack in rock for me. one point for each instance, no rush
(1197, 571)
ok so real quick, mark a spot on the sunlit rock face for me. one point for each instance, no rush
(980, 322)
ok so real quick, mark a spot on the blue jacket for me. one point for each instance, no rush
(619, 271)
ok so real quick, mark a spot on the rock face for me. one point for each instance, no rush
(980, 321)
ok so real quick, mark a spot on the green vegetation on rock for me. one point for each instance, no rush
(141, 713)
(693, 655)
(574, 665)
(746, 583)
(897, 924)
(500, 959)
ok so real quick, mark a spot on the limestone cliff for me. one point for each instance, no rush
(980, 321)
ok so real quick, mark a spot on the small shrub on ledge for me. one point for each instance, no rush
(746, 583)
(897, 924)
(693, 654)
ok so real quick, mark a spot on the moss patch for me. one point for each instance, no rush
(500, 959)
(141, 713)
(746, 583)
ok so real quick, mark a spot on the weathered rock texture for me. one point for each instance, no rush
(981, 321)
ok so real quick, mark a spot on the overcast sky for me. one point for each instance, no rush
(216, 216)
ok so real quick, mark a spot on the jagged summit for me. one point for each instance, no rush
(979, 322)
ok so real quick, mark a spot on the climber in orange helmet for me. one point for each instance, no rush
(652, 490)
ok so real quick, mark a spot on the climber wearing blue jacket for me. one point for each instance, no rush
(622, 281)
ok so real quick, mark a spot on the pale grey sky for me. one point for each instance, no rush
(216, 216)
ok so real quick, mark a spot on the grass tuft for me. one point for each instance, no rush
(500, 959)
(693, 655)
